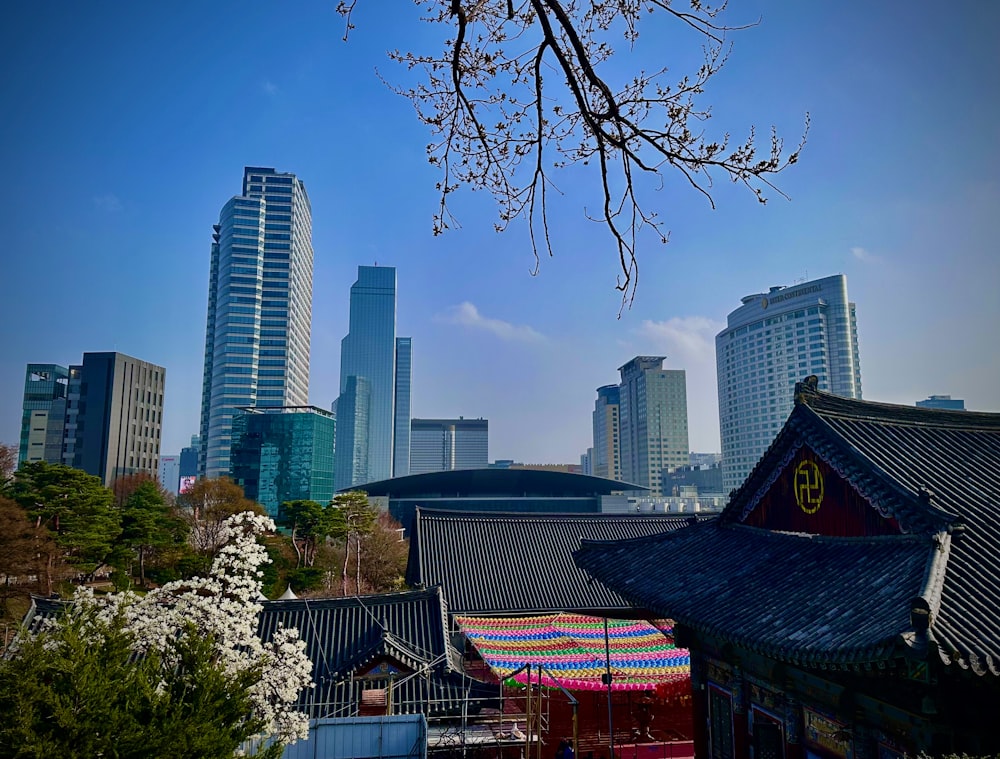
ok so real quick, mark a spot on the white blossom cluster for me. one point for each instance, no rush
(224, 608)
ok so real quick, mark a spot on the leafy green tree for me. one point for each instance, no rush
(178, 672)
(351, 520)
(75, 506)
(276, 573)
(78, 690)
(123, 487)
(309, 524)
(149, 524)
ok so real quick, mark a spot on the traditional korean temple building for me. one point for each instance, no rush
(381, 654)
(514, 593)
(502, 564)
(847, 601)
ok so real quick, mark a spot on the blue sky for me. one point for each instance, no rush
(126, 127)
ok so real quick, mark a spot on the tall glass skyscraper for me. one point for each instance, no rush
(770, 342)
(259, 308)
(401, 412)
(43, 423)
(374, 389)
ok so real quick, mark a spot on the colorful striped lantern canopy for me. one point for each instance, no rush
(571, 647)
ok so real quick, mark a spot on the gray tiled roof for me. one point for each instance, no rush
(936, 472)
(781, 595)
(491, 564)
(343, 635)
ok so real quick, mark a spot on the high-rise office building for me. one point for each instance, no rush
(942, 401)
(259, 308)
(283, 454)
(438, 445)
(653, 424)
(114, 416)
(169, 473)
(189, 464)
(351, 433)
(606, 460)
(771, 342)
(401, 410)
(43, 421)
(374, 397)
(103, 416)
(189, 457)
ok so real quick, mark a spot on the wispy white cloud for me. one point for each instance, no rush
(684, 339)
(689, 343)
(269, 87)
(467, 315)
(109, 202)
(863, 255)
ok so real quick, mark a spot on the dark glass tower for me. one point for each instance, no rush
(373, 411)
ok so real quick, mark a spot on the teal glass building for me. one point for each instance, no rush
(43, 419)
(259, 308)
(283, 454)
(373, 409)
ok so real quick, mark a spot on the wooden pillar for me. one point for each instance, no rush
(741, 736)
(699, 706)
(793, 729)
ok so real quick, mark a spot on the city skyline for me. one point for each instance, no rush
(112, 207)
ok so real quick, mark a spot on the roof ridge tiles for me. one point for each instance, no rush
(828, 404)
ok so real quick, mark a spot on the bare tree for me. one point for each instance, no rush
(8, 463)
(207, 505)
(523, 88)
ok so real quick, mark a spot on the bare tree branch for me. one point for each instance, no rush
(491, 108)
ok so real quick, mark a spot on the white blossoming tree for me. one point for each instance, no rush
(180, 671)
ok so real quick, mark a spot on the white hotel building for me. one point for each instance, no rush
(772, 341)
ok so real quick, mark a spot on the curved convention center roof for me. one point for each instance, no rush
(495, 483)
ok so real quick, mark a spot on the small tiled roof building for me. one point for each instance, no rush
(847, 601)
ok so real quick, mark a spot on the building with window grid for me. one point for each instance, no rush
(103, 416)
(652, 421)
(439, 445)
(259, 308)
(772, 341)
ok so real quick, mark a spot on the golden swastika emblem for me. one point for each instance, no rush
(808, 486)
